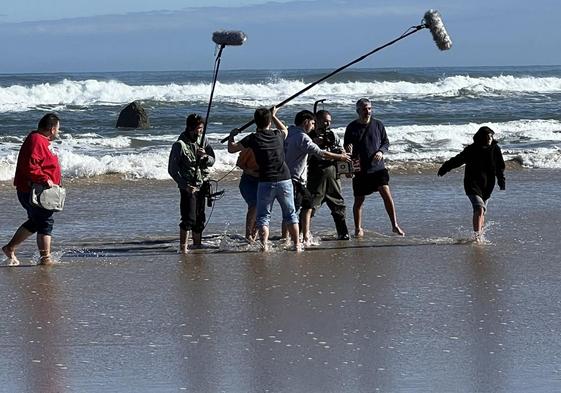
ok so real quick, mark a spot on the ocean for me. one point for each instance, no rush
(433, 311)
(429, 113)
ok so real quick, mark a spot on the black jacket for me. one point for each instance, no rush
(483, 164)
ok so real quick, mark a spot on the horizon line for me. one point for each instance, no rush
(277, 69)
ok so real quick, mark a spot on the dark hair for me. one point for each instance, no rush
(362, 102)
(193, 121)
(322, 113)
(302, 116)
(480, 136)
(48, 121)
(262, 117)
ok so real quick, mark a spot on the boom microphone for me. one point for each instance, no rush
(224, 38)
(433, 22)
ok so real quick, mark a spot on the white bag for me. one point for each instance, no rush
(51, 198)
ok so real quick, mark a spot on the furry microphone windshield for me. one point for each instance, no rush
(434, 23)
(228, 37)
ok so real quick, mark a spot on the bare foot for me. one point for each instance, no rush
(264, 246)
(11, 255)
(183, 249)
(478, 238)
(396, 229)
(46, 260)
(359, 232)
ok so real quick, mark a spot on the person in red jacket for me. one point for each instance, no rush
(36, 164)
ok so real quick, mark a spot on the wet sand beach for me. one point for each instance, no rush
(121, 311)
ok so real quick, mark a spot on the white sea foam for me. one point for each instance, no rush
(58, 96)
(534, 143)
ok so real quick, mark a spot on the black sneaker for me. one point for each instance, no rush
(344, 236)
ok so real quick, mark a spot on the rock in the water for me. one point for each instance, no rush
(133, 116)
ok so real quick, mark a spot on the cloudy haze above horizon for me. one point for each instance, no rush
(67, 36)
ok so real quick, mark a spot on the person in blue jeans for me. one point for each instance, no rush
(274, 176)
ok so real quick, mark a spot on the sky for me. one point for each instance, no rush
(145, 35)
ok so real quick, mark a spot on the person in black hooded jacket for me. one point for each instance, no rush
(484, 162)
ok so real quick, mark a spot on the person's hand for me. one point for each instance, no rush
(345, 157)
(191, 189)
(502, 185)
(201, 152)
(441, 171)
(378, 156)
(50, 183)
(349, 148)
(234, 132)
(356, 165)
(274, 111)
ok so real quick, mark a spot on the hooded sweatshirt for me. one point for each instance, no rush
(483, 163)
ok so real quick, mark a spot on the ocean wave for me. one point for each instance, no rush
(533, 143)
(76, 95)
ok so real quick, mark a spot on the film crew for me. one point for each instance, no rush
(190, 158)
(323, 181)
(274, 177)
(297, 147)
(36, 164)
(367, 141)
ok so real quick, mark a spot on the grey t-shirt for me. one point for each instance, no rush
(297, 146)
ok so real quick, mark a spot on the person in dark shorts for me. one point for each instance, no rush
(367, 141)
(36, 164)
(189, 162)
(484, 162)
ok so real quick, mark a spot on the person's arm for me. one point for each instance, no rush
(312, 148)
(174, 167)
(234, 147)
(208, 158)
(279, 125)
(347, 141)
(452, 163)
(336, 156)
(384, 143)
(500, 168)
(37, 155)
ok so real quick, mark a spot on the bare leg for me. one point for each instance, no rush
(390, 209)
(10, 249)
(183, 239)
(357, 214)
(264, 237)
(306, 218)
(44, 245)
(250, 228)
(294, 235)
(284, 231)
(478, 219)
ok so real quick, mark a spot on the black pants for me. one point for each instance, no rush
(38, 219)
(192, 209)
(324, 186)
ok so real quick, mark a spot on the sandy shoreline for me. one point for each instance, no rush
(430, 312)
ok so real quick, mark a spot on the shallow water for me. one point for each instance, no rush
(122, 311)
